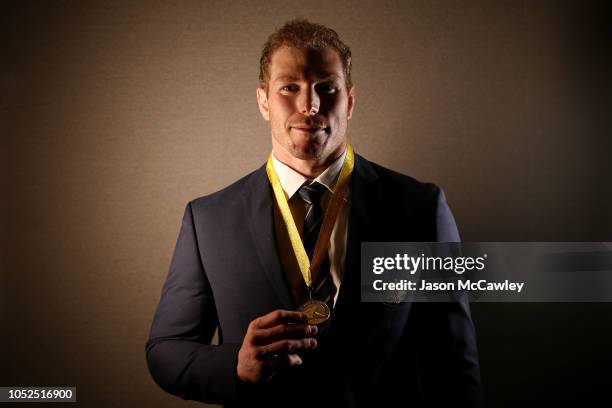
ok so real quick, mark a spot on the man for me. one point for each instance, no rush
(272, 261)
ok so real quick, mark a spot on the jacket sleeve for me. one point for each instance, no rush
(179, 353)
(448, 360)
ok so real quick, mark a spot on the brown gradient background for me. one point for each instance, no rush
(115, 114)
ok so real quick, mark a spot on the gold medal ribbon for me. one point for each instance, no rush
(333, 209)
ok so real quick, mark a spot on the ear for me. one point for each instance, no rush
(262, 101)
(351, 102)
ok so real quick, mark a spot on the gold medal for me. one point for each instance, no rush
(317, 311)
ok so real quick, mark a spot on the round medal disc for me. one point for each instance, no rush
(317, 311)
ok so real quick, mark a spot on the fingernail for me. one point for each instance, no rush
(313, 329)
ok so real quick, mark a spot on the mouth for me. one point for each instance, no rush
(309, 129)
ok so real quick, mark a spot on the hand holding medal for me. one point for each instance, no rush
(273, 341)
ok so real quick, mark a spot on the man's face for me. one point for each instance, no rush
(307, 103)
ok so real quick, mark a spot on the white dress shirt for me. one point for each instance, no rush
(291, 181)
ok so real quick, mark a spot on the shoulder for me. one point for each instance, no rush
(398, 185)
(230, 196)
(407, 209)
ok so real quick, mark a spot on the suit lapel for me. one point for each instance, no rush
(259, 211)
(364, 202)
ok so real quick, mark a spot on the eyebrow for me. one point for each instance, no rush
(286, 78)
(290, 78)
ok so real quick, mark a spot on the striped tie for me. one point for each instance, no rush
(311, 193)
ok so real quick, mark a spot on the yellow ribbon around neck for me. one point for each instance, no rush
(333, 209)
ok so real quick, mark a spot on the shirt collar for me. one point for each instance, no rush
(291, 180)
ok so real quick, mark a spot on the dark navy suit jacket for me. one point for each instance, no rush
(226, 271)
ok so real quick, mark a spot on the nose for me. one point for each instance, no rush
(309, 102)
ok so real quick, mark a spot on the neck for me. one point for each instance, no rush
(310, 168)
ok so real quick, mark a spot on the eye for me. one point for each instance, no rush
(291, 88)
(326, 87)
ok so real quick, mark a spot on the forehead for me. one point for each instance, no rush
(291, 62)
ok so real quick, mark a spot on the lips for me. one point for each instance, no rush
(308, 129)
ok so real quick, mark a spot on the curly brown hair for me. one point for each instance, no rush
(300, 33)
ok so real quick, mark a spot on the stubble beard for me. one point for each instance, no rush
(315, 149)
(308, 148)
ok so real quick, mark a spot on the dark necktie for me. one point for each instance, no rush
(311, 193)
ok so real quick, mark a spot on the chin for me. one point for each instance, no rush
(307, 149)
(306, 154)
(311, 151)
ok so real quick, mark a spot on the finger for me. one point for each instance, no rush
(291, 360)
(286, 360)
(279, 317)
(285, 347)
(263, 337)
